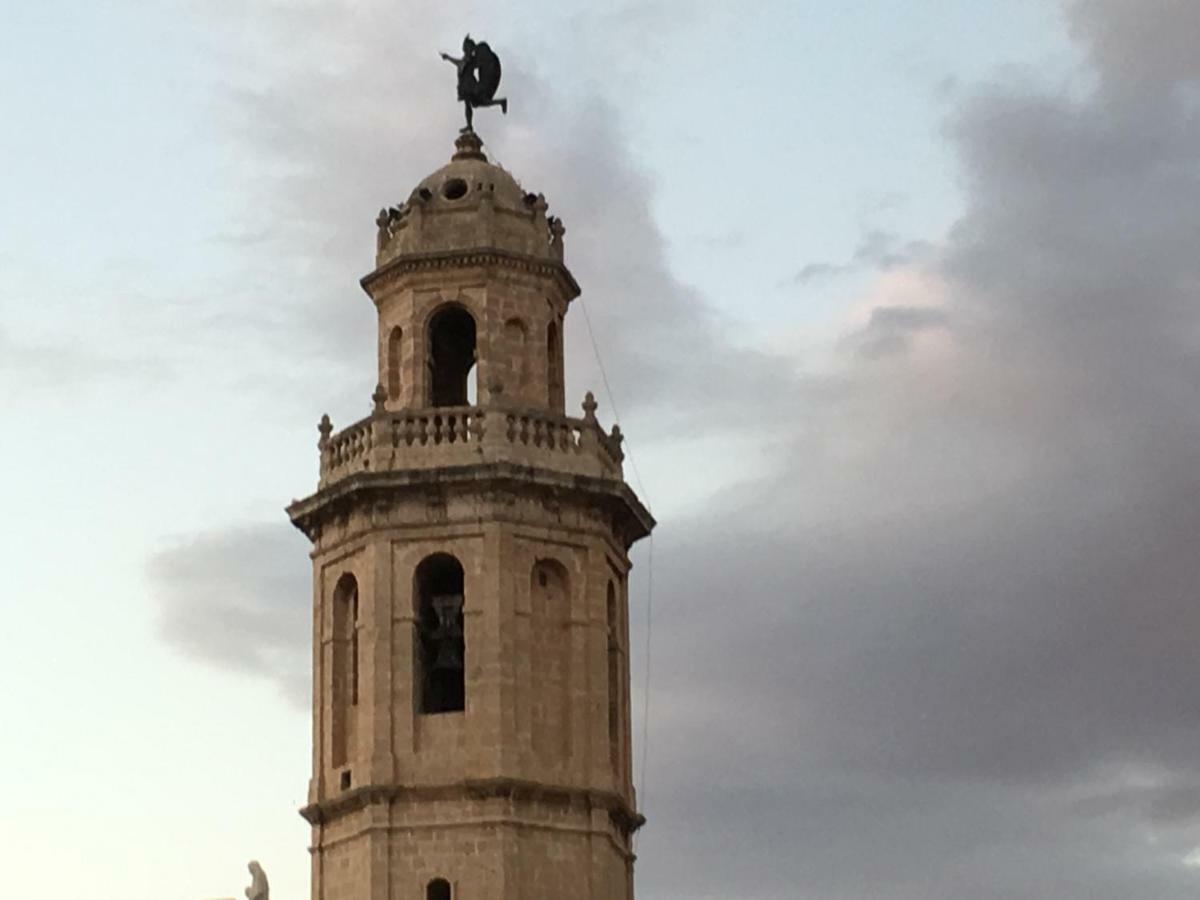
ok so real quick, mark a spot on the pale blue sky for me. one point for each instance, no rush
(157, 391)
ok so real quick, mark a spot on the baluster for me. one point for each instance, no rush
(460, 427)
(423, 430)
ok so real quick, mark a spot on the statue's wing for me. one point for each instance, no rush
(489, 68)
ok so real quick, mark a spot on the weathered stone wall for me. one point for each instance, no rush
(488, 849)
(514, 304)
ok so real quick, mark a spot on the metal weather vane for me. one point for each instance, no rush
(478, 78)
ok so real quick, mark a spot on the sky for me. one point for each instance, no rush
(898, 310)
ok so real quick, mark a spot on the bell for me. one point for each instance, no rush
(447, 636)
(449, 657)
(448, 609)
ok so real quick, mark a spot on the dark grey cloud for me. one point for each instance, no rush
(946, 647)
(1151, 43)
(242, 600)
(890, 329)
(980, 574)
(878, 251)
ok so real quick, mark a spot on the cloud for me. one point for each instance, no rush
(976, 573)
(328, 145)
(946, 646)
(878, 251)
(1150, 43)
(891, 328)
(58, 365)
(241, 600)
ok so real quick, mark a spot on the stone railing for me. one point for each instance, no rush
(462, 435)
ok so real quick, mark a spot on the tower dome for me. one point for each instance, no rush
(469, 204)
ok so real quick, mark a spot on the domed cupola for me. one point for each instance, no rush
(469, 204)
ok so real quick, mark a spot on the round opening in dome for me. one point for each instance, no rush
(454, 189)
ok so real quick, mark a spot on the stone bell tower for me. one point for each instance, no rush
(471, 733)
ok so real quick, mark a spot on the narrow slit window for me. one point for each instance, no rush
(354, 649)
(554, 365)
(393, 362)
(614, 681)
(344, 666)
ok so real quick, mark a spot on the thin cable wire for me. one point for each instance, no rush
(612, 400)
(641, 789)
(495, 158)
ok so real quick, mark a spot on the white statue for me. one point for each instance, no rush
(258, 889)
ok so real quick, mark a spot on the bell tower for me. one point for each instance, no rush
(471, 727)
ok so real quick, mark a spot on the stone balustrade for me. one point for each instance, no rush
(464, 435)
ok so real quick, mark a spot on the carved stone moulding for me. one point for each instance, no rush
(512, 486)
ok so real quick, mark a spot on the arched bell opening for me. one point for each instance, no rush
(441, 644)
(451, 359)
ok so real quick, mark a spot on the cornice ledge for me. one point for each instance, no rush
(627, 818)
(303, 512)
(475, 256)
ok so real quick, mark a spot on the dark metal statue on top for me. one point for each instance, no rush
(478, 78)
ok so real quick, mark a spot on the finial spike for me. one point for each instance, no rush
(469, 145)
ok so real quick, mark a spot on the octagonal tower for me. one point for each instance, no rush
(471, 733)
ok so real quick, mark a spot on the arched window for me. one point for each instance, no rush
(441, 646)
(393, 363)
(554, 365)
(550, 611)
(451, 356)
(614, 680)
(344, 664)
(438, 889)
